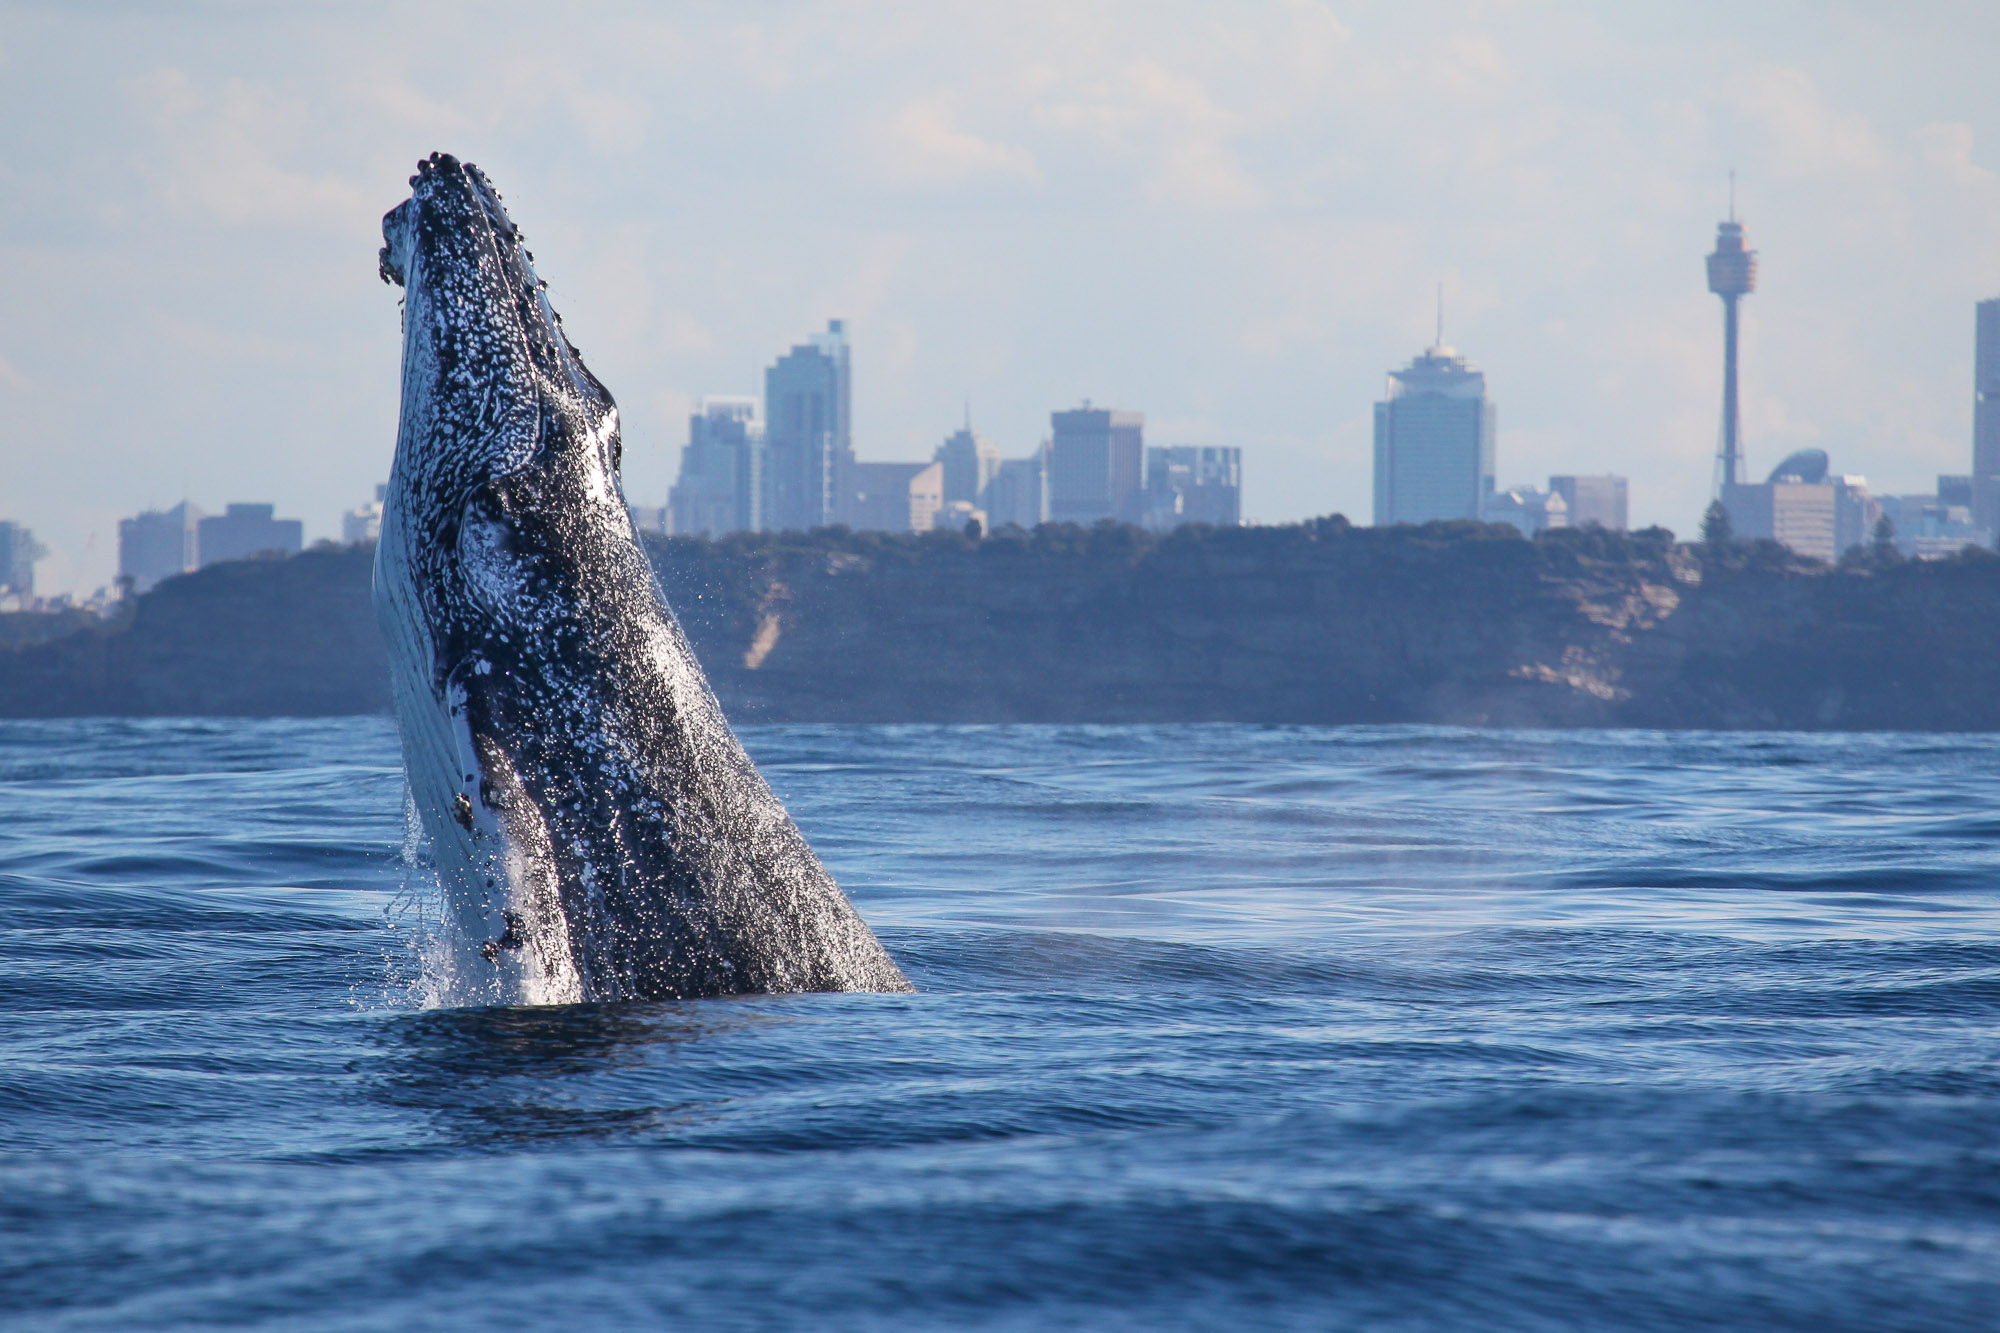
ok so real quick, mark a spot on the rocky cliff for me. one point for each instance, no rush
(1319, 622)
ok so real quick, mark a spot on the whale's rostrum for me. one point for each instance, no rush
(597, 830)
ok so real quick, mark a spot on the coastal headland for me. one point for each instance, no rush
(1319, 622)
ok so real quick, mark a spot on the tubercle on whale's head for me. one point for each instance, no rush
(454, 229)
(491, 379)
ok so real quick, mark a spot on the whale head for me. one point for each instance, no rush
(490, 382)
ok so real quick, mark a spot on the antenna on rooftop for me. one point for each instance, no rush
(1732, 194)
(1440, 337)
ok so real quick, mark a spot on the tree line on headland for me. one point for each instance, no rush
(1317, 622)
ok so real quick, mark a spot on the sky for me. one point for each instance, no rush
(1233, 217)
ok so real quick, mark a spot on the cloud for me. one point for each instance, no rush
(921, 143)
(1947, 146)
(1171, 124)
(221, 154)
(1803, 136)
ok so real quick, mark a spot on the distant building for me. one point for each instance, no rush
(1193, 484)
(244, 530)
(808, 397)
(1433, 441)
(1985, 497)
(1528, 509)
(891, 497)
(720, 488)
(1798, 506)
(158, 544)
(1593, 500)
(1019, 491)
(18, 552)
(1097, 462)
(364, 524)
(1854, 513)
(956, 515)
(970, 464)
(649, 518)
(1929, 527)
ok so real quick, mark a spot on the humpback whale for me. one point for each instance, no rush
(597, 830)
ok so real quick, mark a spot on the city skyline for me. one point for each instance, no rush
(1231, 219)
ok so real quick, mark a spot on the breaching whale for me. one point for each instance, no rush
(597, 830)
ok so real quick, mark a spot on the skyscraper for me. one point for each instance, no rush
(1986, 416)
(1732, 273)
(720, 482)
(18, 552)
(1019, 491)
(1433, 441)
(158, 544)
(970, 464)
(808, 397)
(1097, 465)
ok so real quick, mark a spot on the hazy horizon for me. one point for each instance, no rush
(1231, 218)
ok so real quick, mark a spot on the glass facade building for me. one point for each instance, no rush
(1433, 442)
(1986, 416)
(808, 397)
(720, 485)
(1097, 465)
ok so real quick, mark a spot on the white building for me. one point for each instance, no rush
(364, 524)
(1528, 509)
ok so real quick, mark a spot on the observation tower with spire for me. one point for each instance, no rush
(1732, 273)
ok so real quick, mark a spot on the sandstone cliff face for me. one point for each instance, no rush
(1315, 623)
(1308, 624)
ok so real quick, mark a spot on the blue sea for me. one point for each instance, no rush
(1217, 1028)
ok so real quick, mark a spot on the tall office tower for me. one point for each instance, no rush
(1019, 492)
(1986, 417)
(970, 464)
(241, 531)
(808, 431)
(720, 482)
(1097, 465)
(1599, 500)
(158, 544)
(1433, 441)
(18, 552)
(1732, 273)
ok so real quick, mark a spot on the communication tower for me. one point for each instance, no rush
(1732, 272)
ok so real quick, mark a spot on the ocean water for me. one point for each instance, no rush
(1218, 1027)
